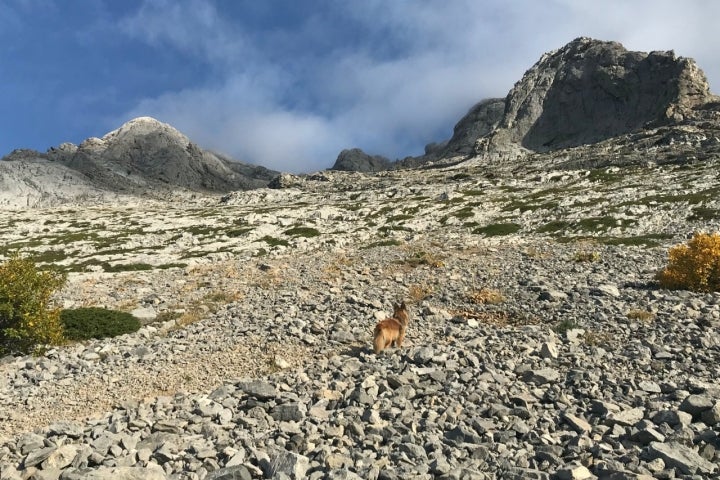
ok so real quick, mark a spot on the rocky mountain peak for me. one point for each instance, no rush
(591, 90)
(587, 92)
(143, 126)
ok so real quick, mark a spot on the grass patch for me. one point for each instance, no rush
(460, 176)
(305, 232)
(649, 240)
(497, 229)
(385, 229)
(595, 224)
(275, 242)
(400, 218)
(463, 213)
(127, 267)
(703, 214)
(238, 232)
(383, 243)
(523, 206)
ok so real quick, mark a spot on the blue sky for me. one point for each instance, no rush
(287, 83)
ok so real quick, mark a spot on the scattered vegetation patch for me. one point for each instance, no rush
(642, 315)
(704, 214)
(305, 232)
(472, 192)
(92, 322)
(605, 175)
(200, 230)
(125, 267)
(694, 265)
(391, 242)
(385, 229)
(523, 206)
(586, 256)
(382, 212)
(650, 240)
(487, 296)
(209, 304)
(598, 339)
(465, 212)
(400, 218)
(274, 242)
(460, 176)
(498, 229)
(600, 224)
(564, 325)
(238, 232)
(416, 258)
(419, 292)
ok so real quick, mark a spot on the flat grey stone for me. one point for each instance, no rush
(683, 458)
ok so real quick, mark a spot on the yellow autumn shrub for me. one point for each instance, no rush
(694, 265)
(27, 320)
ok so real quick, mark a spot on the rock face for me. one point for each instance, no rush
(355, 160)
(142, 155)
(587, 92)
(591, 90)
(482, 118)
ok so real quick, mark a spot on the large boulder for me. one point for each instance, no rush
(355, 160)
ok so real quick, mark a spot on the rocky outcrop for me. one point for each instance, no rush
(142, 156)
(587, 92)
(592, 90)
(482, 119)
(355, 160)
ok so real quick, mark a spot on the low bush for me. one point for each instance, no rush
(487, 296)
(307, 232)
(93, 322)
(27, 320)
(694, 265)
(498, 229)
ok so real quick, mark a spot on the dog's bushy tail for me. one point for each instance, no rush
(378, 340)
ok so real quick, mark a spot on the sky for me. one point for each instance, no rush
(288, 84)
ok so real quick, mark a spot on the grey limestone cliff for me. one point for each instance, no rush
(585, 93)
(590, 90)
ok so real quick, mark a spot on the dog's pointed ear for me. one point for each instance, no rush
(396, 306)
(402, 306)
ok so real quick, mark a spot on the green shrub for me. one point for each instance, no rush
(497, 229)
(306, 232)
(92, 322)
(27, 321)
(694, 265)
(275, 242)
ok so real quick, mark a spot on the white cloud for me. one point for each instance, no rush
(416, 68)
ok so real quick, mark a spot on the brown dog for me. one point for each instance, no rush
(391, 330)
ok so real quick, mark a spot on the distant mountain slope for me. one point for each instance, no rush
(143, 156)
(586, 92)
